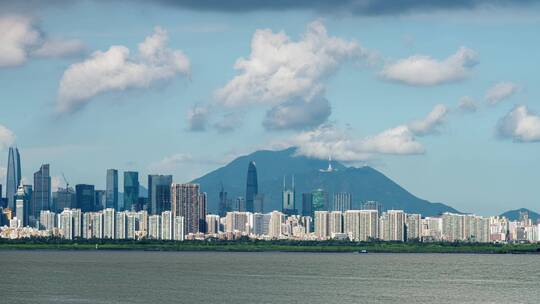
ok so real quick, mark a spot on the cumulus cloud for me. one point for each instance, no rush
(298, 114)
(342, 145)
(429, 124)
(228, 122)
(197, 118)
(520, 124)
(421, 70)
(116, 70)
(467, 104)
(279, 69)
(22, 38)
(7, 137)
(500, 91)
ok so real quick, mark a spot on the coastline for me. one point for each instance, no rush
(270, 246)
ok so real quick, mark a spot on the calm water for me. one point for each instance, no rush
(167, 277)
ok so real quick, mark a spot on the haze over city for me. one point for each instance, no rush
(441, 98)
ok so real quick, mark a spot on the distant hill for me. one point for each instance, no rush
(514, 214)
(363, 183)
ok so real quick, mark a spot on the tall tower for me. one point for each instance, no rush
(13, 176)
(131, 189)
(190, 203)
(112, 188)
(252, 187)
(159, 193)
(42, 191)
(288, 199)
(222, 208)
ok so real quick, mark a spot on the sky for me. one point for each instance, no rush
(441, 96)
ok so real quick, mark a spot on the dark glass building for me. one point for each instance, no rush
(101, 199)
(112, 189)
(131, 190)
(41, 197)
(85, 197)
(13, 178)
(63, 198)
(252, 187)
(223, 208)
(307, 203)
(159, 193)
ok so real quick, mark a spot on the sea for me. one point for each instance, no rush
(269, 277)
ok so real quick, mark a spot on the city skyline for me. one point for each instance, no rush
(450, 112)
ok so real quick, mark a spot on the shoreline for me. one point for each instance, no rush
(269, 246)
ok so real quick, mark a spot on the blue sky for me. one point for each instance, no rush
(382, 89)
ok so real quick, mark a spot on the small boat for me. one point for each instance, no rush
(363, 251)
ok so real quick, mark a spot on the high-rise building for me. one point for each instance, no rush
(371, 205)
(112, 189)
(190, 203)
(319, 201)
(101, 199)
(322, 227)
(261, 223)
(342, 201)
(154, 227)
(392, 225)
(178, 228)
(258, 204)
(223, 207)
(131, 190)
(131, 224)
(252, 186)
(85, 199)
(240, 204)
(212, 224)
(361, 225)
(109, 218)
(275, 225)
(335, 223)
(166, 225)
(13, 178)
(70, 223)
(21, 206)
(307, 203)
(120, 222)
(47, 220)
(41, 197)
(159, 193)
(237, 221)
(288, 201)
(413, 223)
(64, 198)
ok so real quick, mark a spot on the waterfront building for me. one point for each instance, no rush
(275, 225)
(361, 225)
(13, 177)
(212, 224)
(41, 196)
(178, 228)
(131, 190)
(322, 229)
(154, 227)
(142, 223)
(166, 225)
(70, 223)
(109, 218)
(120, 225)
(190, 203)
(85, 199)
(252, 187)
(112, 189)
(236, 221)
(131, 225)
(371, 205)
(413, 223)
(47, 220)
(159, 193)
(261, 222)
(342, 201)
(392, 225)
(335, 223)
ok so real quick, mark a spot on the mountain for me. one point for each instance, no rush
(363, 183)
(513, 215)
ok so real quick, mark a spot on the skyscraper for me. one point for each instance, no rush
(222, 207)
(64, 198)
(319, 200)
(289, 199)
(189, 203)
(307, 204)
(85, 197)
(112, 189)
(41, 197)
(101, 199)
(342, 201)
(252, 187)
(13, 176)
(131, 189)
(159, 193)
(21, 206)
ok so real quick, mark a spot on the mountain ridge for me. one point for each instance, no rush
(364, 183)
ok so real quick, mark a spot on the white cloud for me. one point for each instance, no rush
(500, 92)
(7, 137)
(429, 124)
(170, 163)
(298, 114)
(116, 70)
(228, 122)
(21, 38)
(197, 118)
(421, 70)
(467, 104)
(59, 48)
(342, 145)
(279, 69)
(520, 124)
